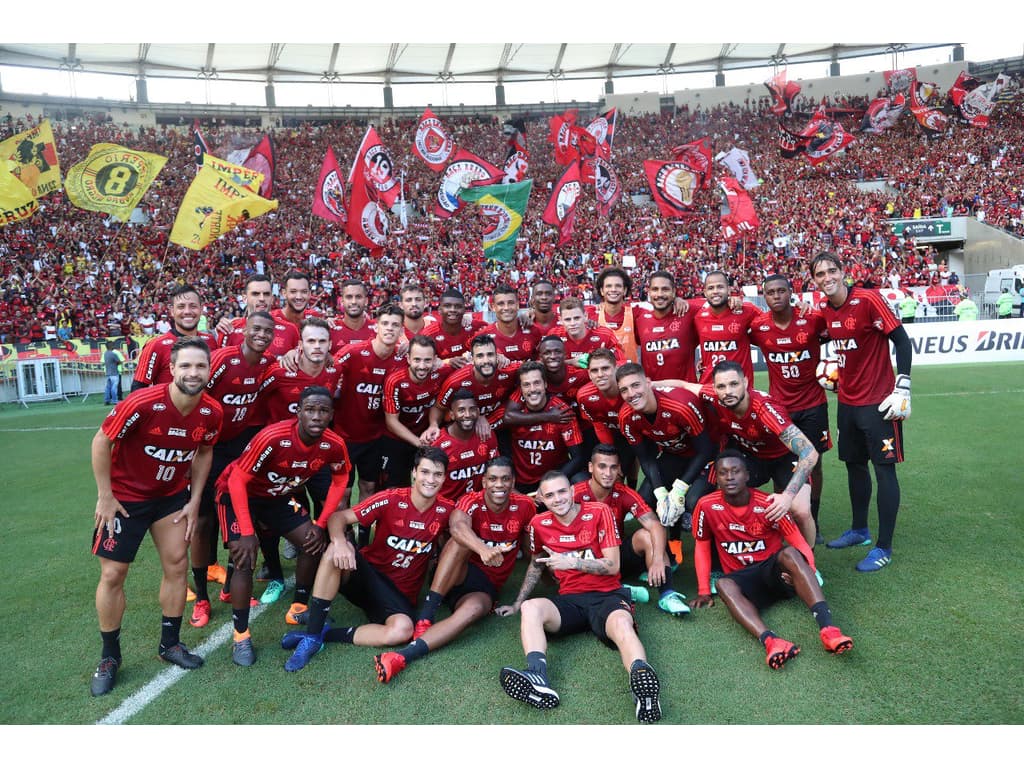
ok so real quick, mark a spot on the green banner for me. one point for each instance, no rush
(922, 227)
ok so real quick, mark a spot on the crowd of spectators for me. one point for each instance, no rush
(68, 272)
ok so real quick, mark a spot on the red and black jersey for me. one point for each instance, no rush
(466, 461)
(342, 335)
(496, 528)
(568, 389)
(286, 337)
(277, 463)
(600, 411)
(622, 500)
(451, 345)
(741, 535)
(757, 432)
(281, 389)
(859, 331)
(594, 338)
(278, 315)
(412, 400)
(667, 345)
(154, 363)
(490, 395)
(404, 537)
(792, 355)
(235, 385)
(522, 345)
(154, 443)
(359, 405)
(723, 336)
(590, 533)
(676, 420)
(540, 448)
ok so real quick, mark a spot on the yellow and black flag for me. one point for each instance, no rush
(33, 159)
(16, 200)
(112, 179)
(214, 204)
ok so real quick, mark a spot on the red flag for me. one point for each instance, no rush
(607, 189)
(199, 146)
(739, 217)
(673, 186)
(696, 155)
(367, 223)
(465, 170)
(571, 141)
(561, 207)
(931, 119)
(261, 158)
(329, 195)
(433, 143)
(517, 161)
(378, 168)
(783, 91)
(602, 128)
(900, 80)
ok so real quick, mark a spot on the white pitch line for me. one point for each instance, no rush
(164, 680)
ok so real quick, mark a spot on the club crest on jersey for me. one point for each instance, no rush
(585, 536)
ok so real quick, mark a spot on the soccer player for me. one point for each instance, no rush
(258, 298)
(409, 394)
(359, 398)
(296, 299)
(613, 285)
(647, 550)
(384, 577)
(452, 333)
(281, 388)
(861, 324)
(490, 385)
(542, 305)
(792, 349)
(413, 304)
(510, 339)
(544, 434)
(237, 373)
(355, 325)
(759, 569)
(666, 426)
(153, 364)
(264, 487)
(486, 527)
(562, 380)
(467, 453)
(579, 544)
(581, 340)
(149, 448)
(667, 342)
(722, 330)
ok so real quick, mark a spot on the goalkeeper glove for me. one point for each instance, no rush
(896, 406)
(662, 507)
(676, 501)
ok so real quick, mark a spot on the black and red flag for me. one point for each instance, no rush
(571, 142)
(378, 168)
(262, 158)
(464, 170)
(900, 80)
(433, 143)
(517, 159)
(329, 195)
(561, 208)
(824, 137)
(602, 128)
(673, 186)
(933, 121)
(882, 113)
(783, 91)
(607, 189)
(696, 155)
(790, 144)
(738, 215)
(199, 146)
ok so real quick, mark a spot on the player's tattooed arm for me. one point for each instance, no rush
(530, 579)
(602, 566)
(807, 457)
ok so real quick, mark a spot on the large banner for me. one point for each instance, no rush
(969, 341)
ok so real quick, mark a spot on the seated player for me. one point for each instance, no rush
(384, 577)
(579, 544)
(265, 487)
(485, 528)
(647, 550)
(759, 568)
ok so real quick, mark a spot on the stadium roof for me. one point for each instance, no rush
(403, 63)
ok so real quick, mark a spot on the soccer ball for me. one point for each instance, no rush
(827, 374)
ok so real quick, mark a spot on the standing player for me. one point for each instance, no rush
(413, 304)
(861, 324)
(409, 394)
(144, 456)
(759, 569)
(467, 453)
(791, 347)
(296, 300)
(647, 550)
(451, 333)
(258, 298)
(721, 330)
(355, 325)
(265, 487)
(485, 527)
(510, 339)
(153, 364)
(237, 374)
(667, 342)
(542, 304)
(384, 577)
(581, 340)
(579, 544)
(613, 285)
(489, 385)
(562, 380)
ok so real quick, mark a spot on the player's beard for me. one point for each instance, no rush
(187, 389)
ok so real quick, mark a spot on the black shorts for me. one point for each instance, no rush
(317, 487)
(279, 515)
(396, 462)
(813, 422)
(865, 436)
(130, 531)
(374, 593)
(223, 454)
(366, 458)
(630, 563)
(590, 610)
(475, 581)
(779, 471)
(761, 583)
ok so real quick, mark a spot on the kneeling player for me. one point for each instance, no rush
(265, 486)
(759, 569)
(384, 577)
(580, 544)
(475, 564)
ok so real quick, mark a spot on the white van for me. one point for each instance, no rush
(1011, 277)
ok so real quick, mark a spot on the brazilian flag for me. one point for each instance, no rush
(504, 205)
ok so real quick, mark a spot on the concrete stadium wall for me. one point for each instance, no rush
(988, 248)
